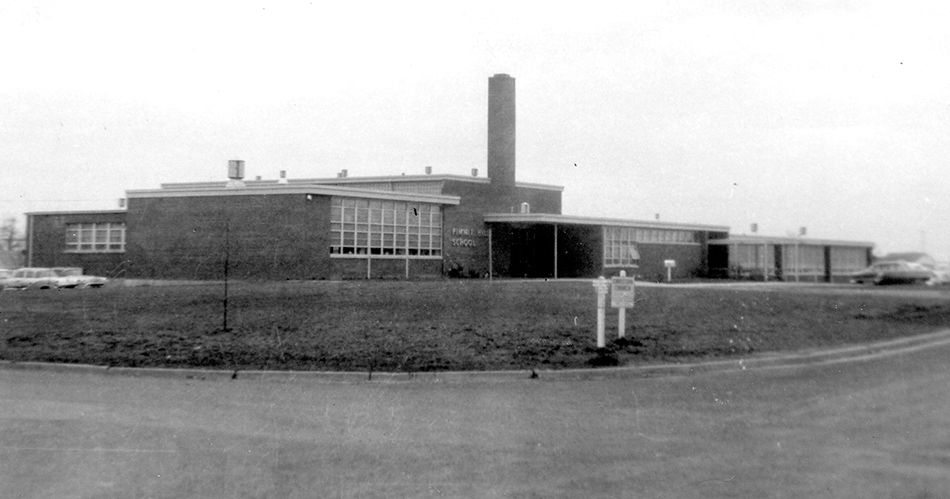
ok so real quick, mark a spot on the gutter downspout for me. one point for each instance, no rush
(29, 240)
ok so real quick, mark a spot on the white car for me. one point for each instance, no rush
(941, 274)
(894, 272)
(72, 277)
(33, 277)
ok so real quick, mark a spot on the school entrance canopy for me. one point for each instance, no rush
(543, 245)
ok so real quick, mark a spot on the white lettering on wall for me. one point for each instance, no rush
(469, 241)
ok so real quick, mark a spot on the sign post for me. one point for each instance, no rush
(600, 285)
(670, 265)
(622, 296)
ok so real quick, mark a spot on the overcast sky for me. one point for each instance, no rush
(830, 115)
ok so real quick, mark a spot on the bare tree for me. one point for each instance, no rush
(10, 239)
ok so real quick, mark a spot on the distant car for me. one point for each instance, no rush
(33, 277)
(941, 274)
(894, 272)
(72, 277)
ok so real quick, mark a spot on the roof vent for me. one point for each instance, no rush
(344, 173)
(428, 170)
(283, 177)
(235, 174)
(474, 172)
(236, 169)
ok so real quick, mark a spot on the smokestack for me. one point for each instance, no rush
(501, 130)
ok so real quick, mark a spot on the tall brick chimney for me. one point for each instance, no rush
(501, 131)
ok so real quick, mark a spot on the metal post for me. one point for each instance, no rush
(29, 240)
(622, 315)
(227, 264)
(555, 251)
(600, 285)
(491, 271)
(798, 260)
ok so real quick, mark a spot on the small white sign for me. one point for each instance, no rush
(622, 293)
(669, 263)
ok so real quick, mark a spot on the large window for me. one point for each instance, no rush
(108, 237)
(802, 259)
(848, 260)
(620, 249)
(361, 227)
(665, 236)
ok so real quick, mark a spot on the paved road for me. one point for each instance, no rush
(867, 427)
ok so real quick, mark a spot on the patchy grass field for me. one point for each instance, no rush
(439, 325)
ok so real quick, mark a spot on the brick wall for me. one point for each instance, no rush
(261, 237)
(48, 244)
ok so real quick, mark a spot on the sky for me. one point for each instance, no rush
(834, 116)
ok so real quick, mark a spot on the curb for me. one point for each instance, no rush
(771, 361)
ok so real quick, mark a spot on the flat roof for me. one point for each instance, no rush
(550, 218)
(77, 212)
(356, 180)
(274, 189)
(749, 239)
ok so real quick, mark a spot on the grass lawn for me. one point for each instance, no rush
(440, 325)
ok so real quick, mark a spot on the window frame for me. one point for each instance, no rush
(389, 229)
(617, 242)
(95, 237)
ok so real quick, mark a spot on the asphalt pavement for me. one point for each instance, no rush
(869, 421)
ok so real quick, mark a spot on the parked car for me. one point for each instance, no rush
(941, 274)
(894, 272)
(33, 277)
(72, 277)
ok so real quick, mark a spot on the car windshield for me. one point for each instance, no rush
(68, 272)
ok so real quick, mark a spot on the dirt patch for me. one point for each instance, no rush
(436, 326)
